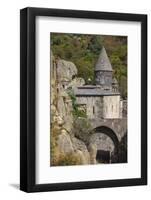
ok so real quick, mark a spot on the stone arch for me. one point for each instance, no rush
(109, 132)
(111, 136)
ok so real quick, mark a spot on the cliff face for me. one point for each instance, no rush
(66, 149)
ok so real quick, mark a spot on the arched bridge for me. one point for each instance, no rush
(105, 139)
(118, 126)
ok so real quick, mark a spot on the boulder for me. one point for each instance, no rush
(64, 143)
(65, 70)
(76, 82)
(82, 157)
(81, 150)
(93, 151)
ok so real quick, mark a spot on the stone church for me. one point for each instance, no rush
(101, 100)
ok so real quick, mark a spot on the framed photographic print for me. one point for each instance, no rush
(83, 99)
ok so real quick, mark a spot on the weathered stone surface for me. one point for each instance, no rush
(81, 150)
(111, 107)
(64, 107)
(94, 106)
(102, 142)
(57, 119)
(82, 129)
(119, 126)
(64, 143)
(66, 70)
(92, 150)
(76, 82)
(82, 156)
(107, 107)
(61, 103)
(124, 108)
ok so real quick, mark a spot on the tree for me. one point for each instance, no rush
(83, 50)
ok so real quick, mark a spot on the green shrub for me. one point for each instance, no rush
(76, 112)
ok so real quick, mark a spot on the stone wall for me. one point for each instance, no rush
(124, 108)
(111, 107)
(103, 107)
(119, 126)
(102, 142)
(94, 106)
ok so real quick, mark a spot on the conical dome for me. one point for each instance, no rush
(103, 63)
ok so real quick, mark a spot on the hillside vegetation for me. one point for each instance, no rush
(83, 50)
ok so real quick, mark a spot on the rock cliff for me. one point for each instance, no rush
(66, 149)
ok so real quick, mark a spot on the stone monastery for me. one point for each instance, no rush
(101, 100)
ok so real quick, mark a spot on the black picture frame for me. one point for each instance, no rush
(28, 99)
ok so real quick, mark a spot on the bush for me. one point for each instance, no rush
(76, 112)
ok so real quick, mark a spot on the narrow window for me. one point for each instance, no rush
(93, 110)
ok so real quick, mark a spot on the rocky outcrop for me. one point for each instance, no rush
(61, 104)
(64, 143)
(65, 70)
(67, 144)
(81, 150)
(92, 150)
(63, 76)
(76, 82)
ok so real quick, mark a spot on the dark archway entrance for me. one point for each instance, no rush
(106, 143)
(103, 156)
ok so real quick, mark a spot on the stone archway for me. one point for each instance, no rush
(103, 145)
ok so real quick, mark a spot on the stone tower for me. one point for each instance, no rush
(103, 71)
